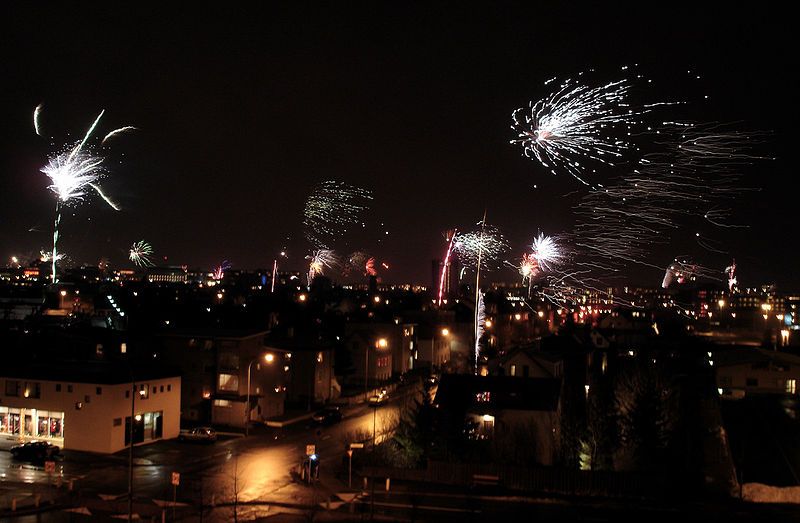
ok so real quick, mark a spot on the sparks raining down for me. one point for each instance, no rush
(140, 253)
(689, 180)
(320, 260)
(485, 245)
(219, 272)
(331, 208)
(574, 124)
(730, 272)
(72, 173)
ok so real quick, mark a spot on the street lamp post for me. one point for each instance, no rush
(269, 358)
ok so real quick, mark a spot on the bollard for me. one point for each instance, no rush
(365, 483)
(388, 484)
(37, 500)
(163, 516)
(13, 504)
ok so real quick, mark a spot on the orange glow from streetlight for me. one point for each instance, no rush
(445, 332)
(382, 343)
(269, 358)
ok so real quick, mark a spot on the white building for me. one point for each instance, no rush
(88, 407)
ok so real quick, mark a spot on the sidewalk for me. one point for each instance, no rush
(288, 418)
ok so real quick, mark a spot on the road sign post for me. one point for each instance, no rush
(350, 468)
(176, 480)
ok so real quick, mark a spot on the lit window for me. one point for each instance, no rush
(513, 370)
(791, 386)
(483, 397)
(228, 382)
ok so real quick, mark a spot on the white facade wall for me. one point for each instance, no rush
(94, 414)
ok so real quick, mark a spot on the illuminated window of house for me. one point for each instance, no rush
(483, 397)
(791, 386)
(319, 357)
(228, 382)
(513, 370)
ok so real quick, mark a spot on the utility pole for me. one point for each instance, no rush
(130, 449)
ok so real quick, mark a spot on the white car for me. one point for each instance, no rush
(379, 398)
(200, 434)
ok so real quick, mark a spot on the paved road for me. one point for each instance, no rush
(260, 468)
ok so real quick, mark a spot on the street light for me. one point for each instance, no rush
(381, 343)
(269, 358)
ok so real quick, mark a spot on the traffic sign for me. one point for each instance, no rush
(350, 453)
(49, 466)
(176, 478)
(311, 449)
(356, 445)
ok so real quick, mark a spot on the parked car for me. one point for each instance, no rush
(379, 398)
(327, 416)
(35, 451)
(199, 434)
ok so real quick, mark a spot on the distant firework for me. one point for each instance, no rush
(140, 253)
(484, 242)
(730, 272)
(320, 260)
(219, 271)
(361, 263)
(546, 251)
(331, 208)
(574, 126)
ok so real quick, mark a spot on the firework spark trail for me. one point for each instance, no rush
(219, 271)
(320, 260)
(683, 269)
(695, 167)
(140, 253)
(574, 124)
(480, 324)
(79, 147)
(451, 239)
(274, 272)
(36, 113)
(330, 209)
(116, 132)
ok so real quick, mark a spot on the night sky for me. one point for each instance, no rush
(241, 111)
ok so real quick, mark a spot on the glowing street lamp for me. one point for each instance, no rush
(269, 358)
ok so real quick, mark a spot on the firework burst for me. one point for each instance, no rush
(73, 173)
(572, 128)
(485, 245)
(219, 271)
(320, 260)
(331, 208)
(141, 254)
